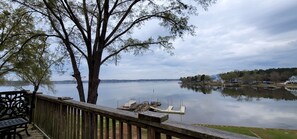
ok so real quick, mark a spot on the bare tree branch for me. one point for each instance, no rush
(126, 47)
(121, 20)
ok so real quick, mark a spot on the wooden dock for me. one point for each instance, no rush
(132, 105)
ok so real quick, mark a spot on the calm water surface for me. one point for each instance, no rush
(248, 107)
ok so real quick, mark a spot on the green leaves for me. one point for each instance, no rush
(23, 48)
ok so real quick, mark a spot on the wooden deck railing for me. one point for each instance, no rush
(69, 119)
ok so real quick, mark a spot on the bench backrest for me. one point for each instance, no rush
(14, 104)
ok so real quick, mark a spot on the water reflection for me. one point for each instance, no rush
(246, 93)
(276, 108)
(198, 88)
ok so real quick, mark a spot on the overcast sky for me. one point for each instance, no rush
(231, 35)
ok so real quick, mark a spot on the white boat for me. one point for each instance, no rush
(128, 105)
(170, 110)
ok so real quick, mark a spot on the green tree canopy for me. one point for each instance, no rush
(275, 75)
(39, 62)
(15, 25)
(23, 48)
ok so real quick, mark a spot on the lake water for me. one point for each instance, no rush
(239, 107)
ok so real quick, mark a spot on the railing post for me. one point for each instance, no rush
(138, 132)
(106, 128)
(151, 117)
(129, 131)
(63, 120)
(121, 132)
(114, 129)
(101, 127)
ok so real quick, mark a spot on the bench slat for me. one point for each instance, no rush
(12, 122)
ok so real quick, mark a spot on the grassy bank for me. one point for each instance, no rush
(264, 133)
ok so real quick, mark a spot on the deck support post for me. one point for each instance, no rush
(153, 118)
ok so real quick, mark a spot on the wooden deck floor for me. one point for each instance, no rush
(34, 132)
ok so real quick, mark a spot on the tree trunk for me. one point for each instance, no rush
(79, 86)
(33, 103)
(94, 81)
(76, 75)
(93, 90)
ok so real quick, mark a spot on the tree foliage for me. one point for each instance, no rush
(15, 25)
(275, 75)
(196, 78)
(98, 31)
(23, 48)
(40, 62)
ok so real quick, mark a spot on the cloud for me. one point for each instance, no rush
(280, 19)
(231, 35)
(239, 39)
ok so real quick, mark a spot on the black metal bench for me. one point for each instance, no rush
(14, 111)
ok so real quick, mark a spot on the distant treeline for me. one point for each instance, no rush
(247, 76)
(23, 83)
(196, 78)
(14, 83)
